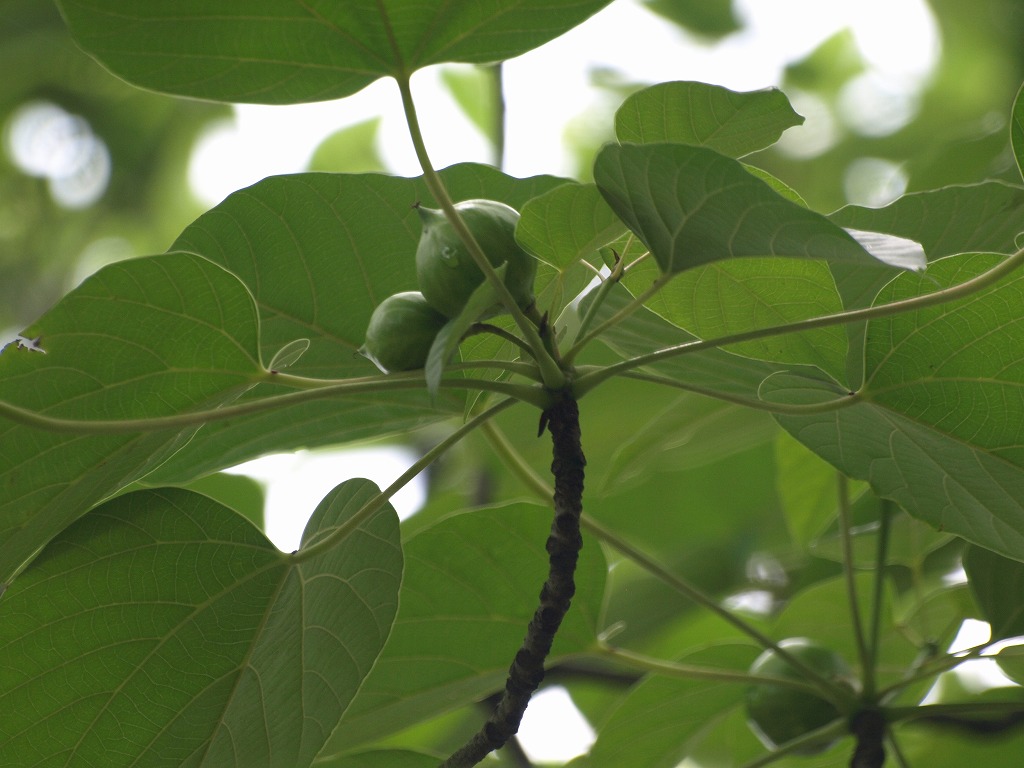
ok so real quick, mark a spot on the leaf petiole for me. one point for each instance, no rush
(692, 672)
(789, 409)
(875, 628)
(311, 389)
(685, 588)
(827, 733)
(864, 651)
(588, 381)
(638, 301)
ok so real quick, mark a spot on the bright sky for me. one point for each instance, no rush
(897, 38)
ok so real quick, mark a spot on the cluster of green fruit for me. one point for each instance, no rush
(403, 326)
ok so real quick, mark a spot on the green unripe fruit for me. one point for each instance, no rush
(400, 333)
(446, 271)
(777, 713)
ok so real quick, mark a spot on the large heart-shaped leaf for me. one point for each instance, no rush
(319, 252)
(704, 115)
(938, 428)
(284, 52)
(143, 338)
(692, 206)
(162, 628)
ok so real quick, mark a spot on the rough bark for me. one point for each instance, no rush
(563, 547)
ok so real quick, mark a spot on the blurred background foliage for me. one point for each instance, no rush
(94, 170)
(954, 131)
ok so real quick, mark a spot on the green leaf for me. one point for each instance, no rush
(352, 149)
(953, 486)
(163, 628)
(275, 52)
(692, 206)
(652, 726)
(567, 224)
(1017, 130)
(382, 758)
(288, 355)
(710, 369)
(240, 493)
(995, 584)
(938, 429)
(807, 488)
(932, 620)
(149, 337)
(483, 298)
(704, 115)
(947, 221)
(319, 252)
(958, 367)
(941, 745)
(776, 184)
(821, 612)
(909, 540)
(469, 591)
(712, 18)
(1011, 661)
(728, 297)
(700, 522)
(729, 742)
(688, 431)
(477, 91)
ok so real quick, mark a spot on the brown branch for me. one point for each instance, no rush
(563, 547)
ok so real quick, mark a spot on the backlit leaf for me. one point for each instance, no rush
(175, 633)
(281, 52)
(704, 115)
(957, 219)
(938, 428)
(692, 206)
(149, 337)
(319, 252)
(729, 297)
(567, 224)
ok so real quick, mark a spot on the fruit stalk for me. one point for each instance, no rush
(563, 546)
(553, 375)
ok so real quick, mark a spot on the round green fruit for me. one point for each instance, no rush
(778, 713)
(446, 271)
(400, 333)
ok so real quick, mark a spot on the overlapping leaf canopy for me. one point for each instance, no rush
(284, 52)
(253, 656)
(287, 272)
